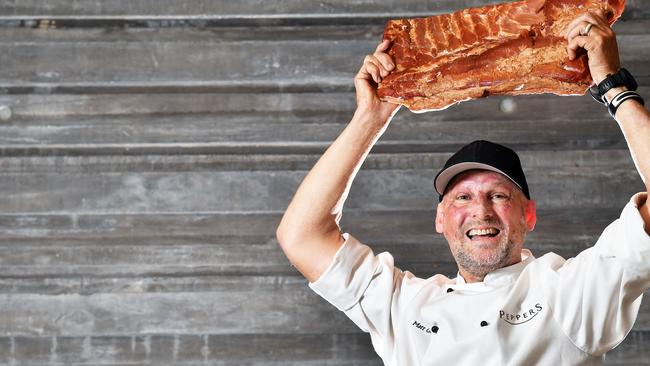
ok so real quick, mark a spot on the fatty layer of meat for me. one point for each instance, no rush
(504, 49)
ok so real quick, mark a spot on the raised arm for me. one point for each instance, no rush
(309, 233)
(632, 117)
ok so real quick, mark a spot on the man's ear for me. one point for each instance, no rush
(440, 218)
(531, 215)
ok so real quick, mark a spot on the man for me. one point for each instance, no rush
(504, 307)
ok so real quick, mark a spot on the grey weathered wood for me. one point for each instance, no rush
(564, 225)
(191, 245)
(264, 311)
(238, 135)
(187, 349)
(283, 131)
(239, 311)
(282, 124)
(292, 9)
(154, 145)
(293, 350)
(290, 129)
(344, 349)
(277, 162)
(61, 109)
(224, 8)
(147, 62)
(92, 191)
(291, 108)
(633, 351)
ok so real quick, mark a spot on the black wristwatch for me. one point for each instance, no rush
(620, 78)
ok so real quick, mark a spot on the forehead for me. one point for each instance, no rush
(477, 179)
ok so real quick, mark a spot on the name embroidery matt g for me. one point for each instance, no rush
(521, 318)
(423, 328)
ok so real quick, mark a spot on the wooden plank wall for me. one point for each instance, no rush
(148, 149)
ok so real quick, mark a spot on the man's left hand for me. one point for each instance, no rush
(599, 42)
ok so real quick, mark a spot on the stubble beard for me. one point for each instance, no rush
(501, 256)
(479, 267)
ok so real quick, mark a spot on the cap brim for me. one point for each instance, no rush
(448, 174)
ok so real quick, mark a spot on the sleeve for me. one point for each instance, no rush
(599, 291)
(368, 288)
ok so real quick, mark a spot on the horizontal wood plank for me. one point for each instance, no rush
(568, 177)
(188, 349)
(284, 124)
(284, 162)
(146, 61)
(229, 12)
(239, 311)
(59, 110)
(198, 7)
(55, 254)
(227, 312)
(574, 124)
(236, 135)
(181, 349)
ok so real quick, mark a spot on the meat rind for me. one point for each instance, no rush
(504, 49)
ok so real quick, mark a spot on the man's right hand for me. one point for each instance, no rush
(374, 69)
(309, 232)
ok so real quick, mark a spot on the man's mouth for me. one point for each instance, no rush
(490, 232)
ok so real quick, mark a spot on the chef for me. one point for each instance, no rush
(504, 307)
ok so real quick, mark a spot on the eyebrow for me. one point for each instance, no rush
(504, 184)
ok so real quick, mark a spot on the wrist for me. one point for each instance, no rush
(378, 113)
(600, 76)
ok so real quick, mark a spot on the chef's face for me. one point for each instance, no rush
(484, 216)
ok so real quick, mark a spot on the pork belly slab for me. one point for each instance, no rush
(504, 49)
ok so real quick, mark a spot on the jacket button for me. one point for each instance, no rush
(435, 329)
(450, 290)
(484, 323)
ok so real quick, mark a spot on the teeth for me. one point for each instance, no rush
(490, 231)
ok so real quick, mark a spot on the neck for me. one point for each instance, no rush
(470, 278)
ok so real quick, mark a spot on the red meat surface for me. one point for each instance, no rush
(504, 49)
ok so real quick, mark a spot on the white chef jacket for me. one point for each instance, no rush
(544, 311)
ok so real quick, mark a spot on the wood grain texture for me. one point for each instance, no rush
(293, 350)
(155, 61)
(141, 130)
(282, 124)
(230, 312)
(186, 349)
(194, 247)
(248, 9)
(94, 191)
(262, 310)
(153, 146)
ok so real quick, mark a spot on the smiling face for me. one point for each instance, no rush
(484, 216)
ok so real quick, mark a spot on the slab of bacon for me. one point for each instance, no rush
(507, 49)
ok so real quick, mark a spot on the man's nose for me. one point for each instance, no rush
(483, 209)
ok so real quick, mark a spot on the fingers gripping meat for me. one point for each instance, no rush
(512, 48)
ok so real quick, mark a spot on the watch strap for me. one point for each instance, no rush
(612, 106)
(621, 78)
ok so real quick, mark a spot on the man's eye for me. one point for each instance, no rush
(499, 196)
(462, 197)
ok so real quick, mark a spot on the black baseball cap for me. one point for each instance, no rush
(485, 155)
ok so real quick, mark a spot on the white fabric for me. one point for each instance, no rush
(545, 311)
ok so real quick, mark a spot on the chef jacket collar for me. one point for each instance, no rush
(500, 277)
